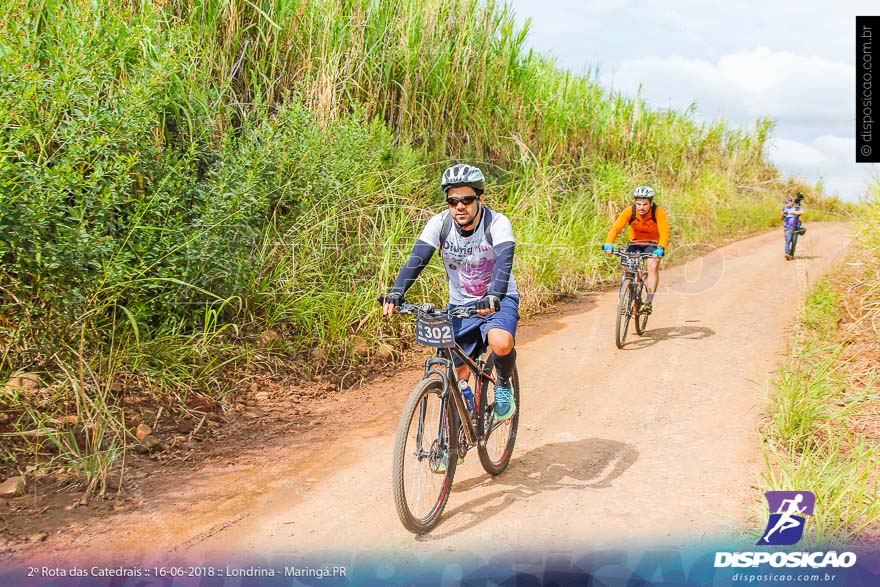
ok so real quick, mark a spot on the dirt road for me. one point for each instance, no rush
(653, 442)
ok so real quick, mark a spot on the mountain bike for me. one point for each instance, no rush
(632, 296)
(436, 428)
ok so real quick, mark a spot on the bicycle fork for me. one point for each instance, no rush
(635, 286)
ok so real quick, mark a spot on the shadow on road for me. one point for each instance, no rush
(652, 337)
(592, 463)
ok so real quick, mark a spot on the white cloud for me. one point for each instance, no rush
(831, 158)
(747, 85)
(788, 60)
(796, 156)
(605, 33)
(811, 99)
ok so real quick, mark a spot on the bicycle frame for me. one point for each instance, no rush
(449, 378)
(638, 275)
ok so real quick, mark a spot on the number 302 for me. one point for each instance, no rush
(437, 332)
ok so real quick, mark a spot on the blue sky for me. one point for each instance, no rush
(793, 62)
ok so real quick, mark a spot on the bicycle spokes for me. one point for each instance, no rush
(498, 437)
(435, 456)
(422, 473)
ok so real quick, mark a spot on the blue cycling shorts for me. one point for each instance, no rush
(472, 333)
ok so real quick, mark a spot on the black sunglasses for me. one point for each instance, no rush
(466, 200)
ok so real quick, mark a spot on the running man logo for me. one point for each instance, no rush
(788, 517)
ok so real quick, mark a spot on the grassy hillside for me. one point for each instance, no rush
(194, 191)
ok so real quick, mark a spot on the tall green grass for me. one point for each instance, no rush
(453, 74)
(193, 190)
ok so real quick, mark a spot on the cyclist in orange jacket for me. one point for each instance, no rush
(648, 233)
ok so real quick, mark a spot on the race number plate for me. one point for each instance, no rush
(435, 332)
(630, 263)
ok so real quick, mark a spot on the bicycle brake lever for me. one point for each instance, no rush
(461, 313)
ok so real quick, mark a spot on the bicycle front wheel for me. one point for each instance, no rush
(641, 320)
(624, 310)
(424, 447)
(499, 437)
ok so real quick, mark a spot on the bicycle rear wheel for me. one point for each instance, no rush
(641, 320)
(624, 310)
(423, 438)
(499, 436)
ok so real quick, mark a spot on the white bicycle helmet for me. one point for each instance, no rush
(643, 191)
(461, 174)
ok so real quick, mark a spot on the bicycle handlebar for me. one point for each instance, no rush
(432, 310)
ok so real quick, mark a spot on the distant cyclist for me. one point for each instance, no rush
(477, 246)
(791, 217)
(648, 233)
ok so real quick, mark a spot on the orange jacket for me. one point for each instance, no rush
(643, 228)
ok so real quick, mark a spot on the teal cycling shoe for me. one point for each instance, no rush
(505, 405)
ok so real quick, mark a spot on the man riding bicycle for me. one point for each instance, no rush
(648, 233)
(476, 245)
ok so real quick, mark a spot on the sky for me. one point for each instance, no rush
(790, 61)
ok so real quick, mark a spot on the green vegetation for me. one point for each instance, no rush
(192, 191)
(823, 416)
